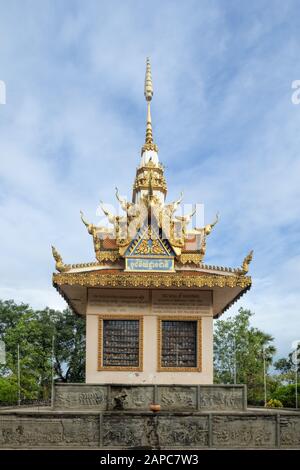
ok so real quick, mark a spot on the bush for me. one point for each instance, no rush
(273, 403)
(286, 394)
(8, 390)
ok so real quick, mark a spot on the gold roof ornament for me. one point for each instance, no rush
(208, 228)
(148, 92)
(246, 262)
(59, 264)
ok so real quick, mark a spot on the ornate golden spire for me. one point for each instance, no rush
(148, 92)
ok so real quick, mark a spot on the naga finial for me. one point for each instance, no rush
(90, 227)
(186, 218)
(111, 217)
(171, 208)
(208, 228)
(246, 262)
(125, 205)
(59, 264)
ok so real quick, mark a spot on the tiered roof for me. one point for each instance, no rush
(149, 245)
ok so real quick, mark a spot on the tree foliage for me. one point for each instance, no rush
(239, 350)
(33, 330)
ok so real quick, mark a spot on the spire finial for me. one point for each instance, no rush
(148, 92)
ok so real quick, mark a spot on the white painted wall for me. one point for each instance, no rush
(149, 375)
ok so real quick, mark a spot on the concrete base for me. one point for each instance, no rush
(115, 417)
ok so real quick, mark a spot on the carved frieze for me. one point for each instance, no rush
(131, 398)
(177, 398)
(184, 431)
(290, 431)
(221, 398)
(124, 431)
(80, 397)
(248, 431)
(50, 431)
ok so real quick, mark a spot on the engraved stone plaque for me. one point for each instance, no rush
(249, 431)
(183, 432)
(180, 398)
(180, 302)
(290, 431)
(220, 397)
(131, 398)
(80, 397)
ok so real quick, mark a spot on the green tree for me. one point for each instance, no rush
(33, 332)
(239, 349)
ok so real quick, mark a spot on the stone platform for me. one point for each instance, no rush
(117, 416)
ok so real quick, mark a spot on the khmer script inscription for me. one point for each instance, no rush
(181, 302)
(119, 301)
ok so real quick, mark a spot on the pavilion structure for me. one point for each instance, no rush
(149, 298)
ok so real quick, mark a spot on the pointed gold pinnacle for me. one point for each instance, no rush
(148, 92)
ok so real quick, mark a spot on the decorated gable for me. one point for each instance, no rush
(148, 252)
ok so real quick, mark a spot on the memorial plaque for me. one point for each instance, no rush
(180, 302)
(110, 301)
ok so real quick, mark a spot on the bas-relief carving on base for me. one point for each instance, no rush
(244, 431)
(132, 430)
(49, 432)
(139, 397)
(290, 431)
(123, 431)
(221, 398)
(87, 397)
(155, 431)
(177, 398)
(131, 398)
(183, 432)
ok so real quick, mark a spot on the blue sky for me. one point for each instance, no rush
(227, 130)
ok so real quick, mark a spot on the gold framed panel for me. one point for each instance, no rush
(101, 367)
(160, 319)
